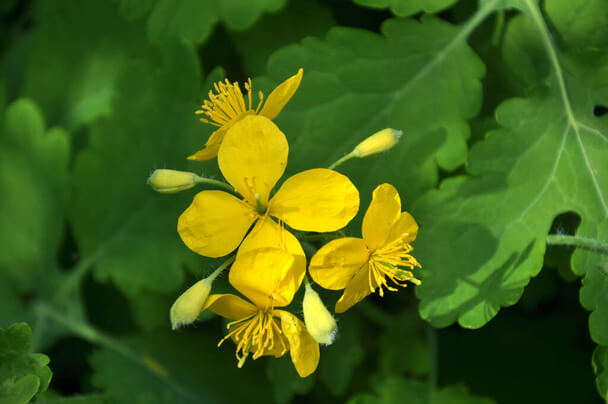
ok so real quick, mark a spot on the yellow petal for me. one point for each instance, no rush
(265, 277)
(381, 215)
(281, 95)
(318, 200)
(303, 348)
(356, 290)
(211, 147)
(229, 306)
(253, 157)
(215, 223)
(268, 234)
(334, 265)
(405, 227)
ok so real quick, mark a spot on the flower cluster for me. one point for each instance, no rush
(251, 222)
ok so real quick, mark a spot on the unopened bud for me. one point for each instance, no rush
(187, 307)
(171, 181)
(378, 142)
(319, 322)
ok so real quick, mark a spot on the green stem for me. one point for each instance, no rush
(585, 243)
(209, 181)
(221, 268)
(87, 332)
(342, 160)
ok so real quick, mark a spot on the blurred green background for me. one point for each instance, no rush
(96, 94)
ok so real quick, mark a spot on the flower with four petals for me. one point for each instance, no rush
(360, 266)
(252, 158)
(266, 277)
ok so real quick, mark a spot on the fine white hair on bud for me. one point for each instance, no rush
(187, 307)
(167, 181)
(378, 142)
(320, 324)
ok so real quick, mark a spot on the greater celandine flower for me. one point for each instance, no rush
(362, 265)
(227, 106)
(267, 278)
(252, 158)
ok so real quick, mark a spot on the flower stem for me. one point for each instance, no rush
(209, 181)
(221, 268)
(342, 160)
(589, 244)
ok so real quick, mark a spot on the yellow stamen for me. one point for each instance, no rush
(391, 263)
(256, 334)
(226, 104)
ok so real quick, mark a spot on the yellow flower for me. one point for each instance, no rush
(227, 106)
(266, 277)
(252, 159)
(360, 266)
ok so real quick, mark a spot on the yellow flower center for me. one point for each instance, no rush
(258, 333)
(392, 262)
(227, 104)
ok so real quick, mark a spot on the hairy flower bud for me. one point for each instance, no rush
(378, 142)
(187, 307)
(319, 322)
(171, 181)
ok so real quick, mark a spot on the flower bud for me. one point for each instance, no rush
(319, 322)
(171, 181)
(187, 307)
(378, 142)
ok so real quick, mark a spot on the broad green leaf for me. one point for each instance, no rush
(285, 380)
(193, 20)
(403, 8)
(547, 159)
(33, 184)
(177, 368)
(418, 76)
(524, 56)
(118, 220)
(394, 390)
(581, 24)
(22, 374)
(73, 57)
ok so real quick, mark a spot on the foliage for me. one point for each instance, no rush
(22, 374)
(503, 105)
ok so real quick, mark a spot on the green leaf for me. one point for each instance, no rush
(22, 374)
(73, 56)
(600, 367)
(552, 135)
(404, 8)
(523, 53)
(581, 24)
(33, 180)
(177, 368)
(118, 220)
(391, 389)
(418, 76)
(285, 380)
(193, 20)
